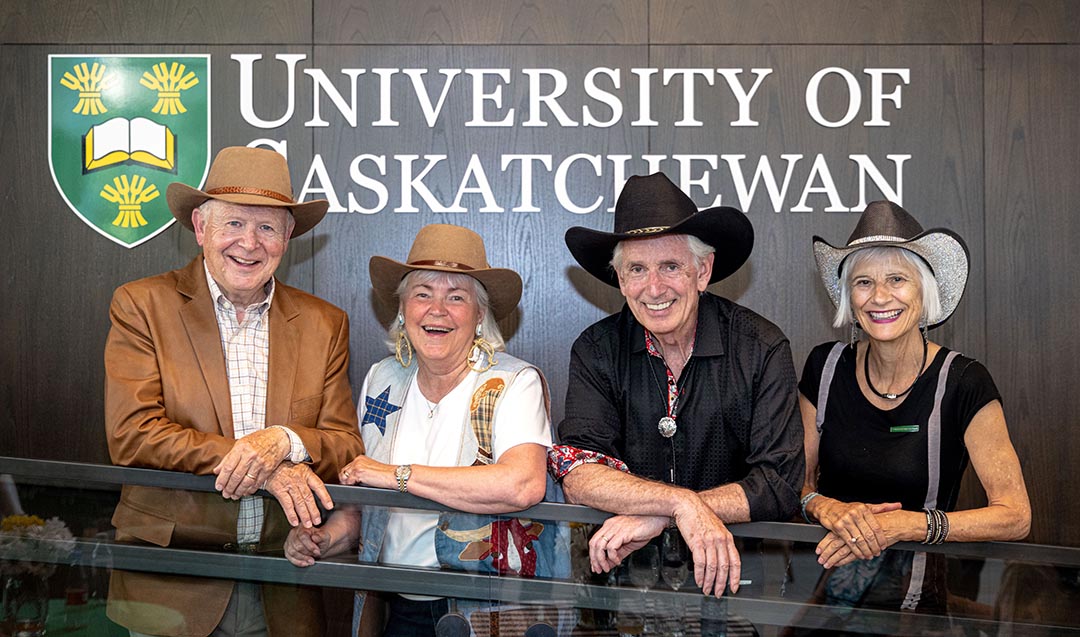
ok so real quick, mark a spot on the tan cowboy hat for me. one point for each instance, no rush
(446, 248)
(652, 206)
(885, 224)
(251, 177)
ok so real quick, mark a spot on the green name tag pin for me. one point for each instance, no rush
(904, 429)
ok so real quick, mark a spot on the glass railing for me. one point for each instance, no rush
(60, 584)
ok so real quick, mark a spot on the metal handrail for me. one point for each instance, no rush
(85, 475)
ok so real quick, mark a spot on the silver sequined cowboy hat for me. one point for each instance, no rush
(885, 224)
(446, 248)
(250, 177)
(652, 206)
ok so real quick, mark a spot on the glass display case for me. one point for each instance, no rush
(57, 548)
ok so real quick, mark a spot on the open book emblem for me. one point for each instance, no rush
(121, 128)
(135, 141)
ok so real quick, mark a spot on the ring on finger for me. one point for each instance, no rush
(250, 476)
(855, 538)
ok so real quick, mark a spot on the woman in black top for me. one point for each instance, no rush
(891, 419)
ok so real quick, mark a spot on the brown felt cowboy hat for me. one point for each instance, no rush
(445, 248)
(251, 177)
(652, 206)
(885, 224)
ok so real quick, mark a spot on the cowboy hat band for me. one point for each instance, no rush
(451, 249)
(242, 190)
(885, 224)
(652, 206)
(248, 177)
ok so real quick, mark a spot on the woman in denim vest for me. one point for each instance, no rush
(452, 418)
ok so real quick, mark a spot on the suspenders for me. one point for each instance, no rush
(933, 453)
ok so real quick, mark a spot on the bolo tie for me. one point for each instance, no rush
(668, 424)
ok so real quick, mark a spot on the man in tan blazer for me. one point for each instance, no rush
(219, 368)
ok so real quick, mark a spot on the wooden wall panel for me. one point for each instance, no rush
(156, 21)
(1032, 191)
(817, 22)
(438, 22)
(11, 387)
(559, 299)
(939, 125)
(1032, 21)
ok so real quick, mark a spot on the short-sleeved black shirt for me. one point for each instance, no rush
(738, 419)
(864, 458)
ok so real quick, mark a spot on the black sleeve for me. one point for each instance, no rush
(975, 389)
(776, 460)
(591, 421)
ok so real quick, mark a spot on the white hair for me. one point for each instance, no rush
(931, 299)
(489, 328)
(698, 248)
(211, 207)
(208, 209)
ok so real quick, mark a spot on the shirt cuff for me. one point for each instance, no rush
(562, 459)
(297, 452)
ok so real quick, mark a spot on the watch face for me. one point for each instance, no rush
(402, 473)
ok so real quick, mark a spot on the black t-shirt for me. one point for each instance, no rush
(867, 454)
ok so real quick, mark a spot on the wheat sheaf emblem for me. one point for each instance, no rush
(130, 193)
(169, 81)
(89, 81)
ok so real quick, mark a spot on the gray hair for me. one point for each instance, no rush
(489, 329)
(697, 247)
(931, 299)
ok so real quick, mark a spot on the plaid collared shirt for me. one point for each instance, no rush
(247, 353)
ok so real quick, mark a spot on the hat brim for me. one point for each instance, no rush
(724, 228)
(942, 249)
(182, 199)
(503, 286)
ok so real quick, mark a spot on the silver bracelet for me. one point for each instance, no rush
(805, 501)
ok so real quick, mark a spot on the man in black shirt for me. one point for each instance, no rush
(682, 408)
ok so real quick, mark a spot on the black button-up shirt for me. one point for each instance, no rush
(738, 416)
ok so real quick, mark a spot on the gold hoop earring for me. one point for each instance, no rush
(481, 349)
(403, 344)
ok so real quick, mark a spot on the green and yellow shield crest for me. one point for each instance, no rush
(121, 128)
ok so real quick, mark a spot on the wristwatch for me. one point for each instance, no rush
(403, 473)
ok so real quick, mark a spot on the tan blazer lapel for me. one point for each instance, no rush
(202, 330)
(284, 355)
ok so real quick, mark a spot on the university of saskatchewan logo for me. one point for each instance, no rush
(121, 128)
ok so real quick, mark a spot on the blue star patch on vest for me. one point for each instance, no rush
(377, 409)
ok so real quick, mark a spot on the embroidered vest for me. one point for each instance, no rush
(464, 541)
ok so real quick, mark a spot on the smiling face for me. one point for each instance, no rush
(886, 296)
(441, 314)
(243, 246)
(661, 281)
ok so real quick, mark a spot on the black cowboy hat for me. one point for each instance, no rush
(651, 206)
